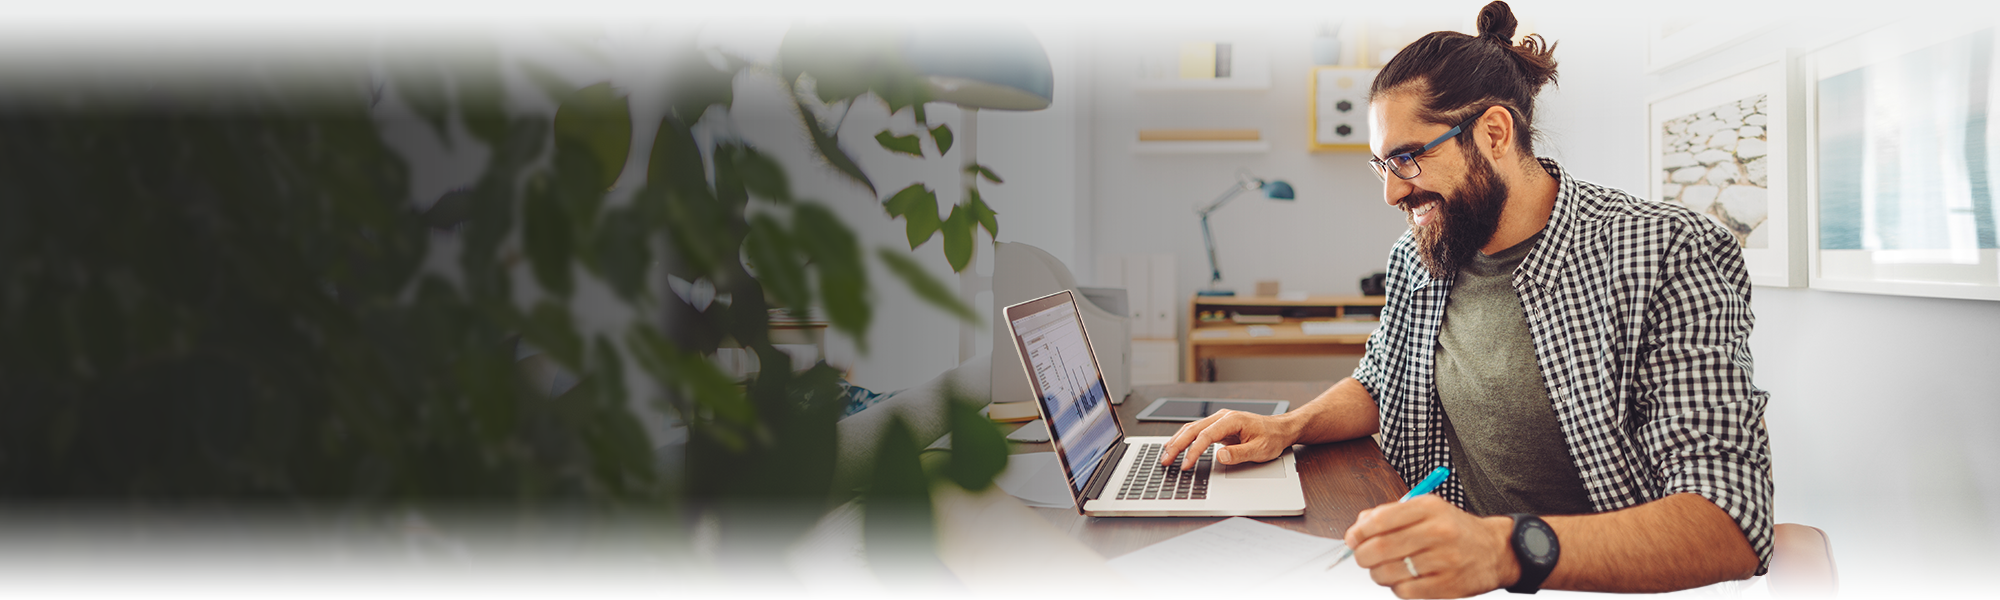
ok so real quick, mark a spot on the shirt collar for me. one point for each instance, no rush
(1541, 266)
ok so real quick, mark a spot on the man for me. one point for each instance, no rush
(1568, 350)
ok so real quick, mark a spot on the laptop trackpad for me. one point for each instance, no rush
(1264, 470)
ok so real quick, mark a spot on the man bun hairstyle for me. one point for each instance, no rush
(1457, 75)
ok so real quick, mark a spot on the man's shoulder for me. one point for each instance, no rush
(1618, 214)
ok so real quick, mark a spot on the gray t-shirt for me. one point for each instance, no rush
(1506, 446)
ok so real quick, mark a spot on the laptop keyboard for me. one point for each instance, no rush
(1167, 482)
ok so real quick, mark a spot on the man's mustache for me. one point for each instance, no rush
(1416, 199)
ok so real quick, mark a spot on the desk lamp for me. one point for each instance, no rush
(1274, 189)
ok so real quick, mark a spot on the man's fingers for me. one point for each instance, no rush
(1209, 435)
(1387, 518)
(1182, 438)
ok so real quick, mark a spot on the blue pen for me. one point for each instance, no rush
(1430, 482)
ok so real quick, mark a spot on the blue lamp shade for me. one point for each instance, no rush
(983, 66)
(1279, 190)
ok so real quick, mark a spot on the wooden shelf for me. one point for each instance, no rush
(1244, 84)
(1272, 301)
(1201, 147)
(1288, 332)
(1214, 339)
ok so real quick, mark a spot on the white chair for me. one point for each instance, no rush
(1022, 272)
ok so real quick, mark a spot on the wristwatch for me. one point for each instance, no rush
(1535, 546)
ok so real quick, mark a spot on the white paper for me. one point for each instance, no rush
(1037, 479)
(1339, 327)
(1240, 553)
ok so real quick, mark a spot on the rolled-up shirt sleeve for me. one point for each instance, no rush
(1702, 430)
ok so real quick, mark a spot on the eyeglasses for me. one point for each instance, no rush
(1405, 165)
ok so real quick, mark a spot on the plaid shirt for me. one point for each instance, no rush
(1640, 313)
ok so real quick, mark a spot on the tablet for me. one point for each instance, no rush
(1193, 409)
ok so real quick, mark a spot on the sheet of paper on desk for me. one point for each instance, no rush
(1240, 553)
(1036, 479)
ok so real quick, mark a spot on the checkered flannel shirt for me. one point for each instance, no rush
(1640, 313)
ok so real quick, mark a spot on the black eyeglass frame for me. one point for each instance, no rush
(1382, 165)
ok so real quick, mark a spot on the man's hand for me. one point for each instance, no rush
(1455, 553)
(1249, 438)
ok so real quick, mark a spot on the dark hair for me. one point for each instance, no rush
(1459, 75)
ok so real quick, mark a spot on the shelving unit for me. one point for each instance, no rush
(1201, 147)
(1209, 340)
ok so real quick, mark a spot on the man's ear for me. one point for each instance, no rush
(1498, 125)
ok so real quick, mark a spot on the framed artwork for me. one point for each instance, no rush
(1904, 155)
(1726, 148)
(1339, 117)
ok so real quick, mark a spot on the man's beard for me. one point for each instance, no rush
(1461, 225)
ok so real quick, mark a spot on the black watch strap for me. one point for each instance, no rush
(1535, 546)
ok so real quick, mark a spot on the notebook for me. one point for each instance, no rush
(1110, 474)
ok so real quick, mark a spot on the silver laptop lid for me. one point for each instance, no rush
(1062, 370)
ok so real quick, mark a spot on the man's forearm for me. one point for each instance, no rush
(1343, 412)
(1677, 542)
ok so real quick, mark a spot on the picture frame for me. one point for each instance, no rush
(1729, 147)
(1894, 207)
(1338, 119)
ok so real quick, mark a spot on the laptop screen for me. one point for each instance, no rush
(1065, 377)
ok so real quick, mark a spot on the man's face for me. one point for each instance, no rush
(1454, 205)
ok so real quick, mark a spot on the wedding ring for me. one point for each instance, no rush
(1412, 566)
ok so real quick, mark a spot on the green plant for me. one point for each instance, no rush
(221, 299)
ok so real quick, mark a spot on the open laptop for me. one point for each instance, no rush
(1109, 474)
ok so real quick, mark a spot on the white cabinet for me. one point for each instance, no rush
(1156, 361)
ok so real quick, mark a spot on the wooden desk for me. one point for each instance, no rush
(1209, 340)
(1341, 479)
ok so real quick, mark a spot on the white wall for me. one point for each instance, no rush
(1335, 233)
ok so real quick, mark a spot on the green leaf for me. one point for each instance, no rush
(763, 176)
(481, 99)
(922, 119)
(451, 209)
(836, 257)
(691, 373)
(829, 147)
(917, 205)
(600, 120)
(697, 84)
(675, 163)
(771, 252)
(906, 144)
(552, 84)
(621, 251)
(983, 214)
(896, 515)
(978, 450)
(942, 135)
(420, 84)
(957, 230)
(983, 172)
(545, 236)
(548, 327)
(937, 293)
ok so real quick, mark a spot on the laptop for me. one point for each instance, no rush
(1110, 474)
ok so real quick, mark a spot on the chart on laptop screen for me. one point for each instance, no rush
(1072, 392)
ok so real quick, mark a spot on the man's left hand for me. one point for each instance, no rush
(1455, 553)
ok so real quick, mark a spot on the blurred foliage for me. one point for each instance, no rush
(225, 301)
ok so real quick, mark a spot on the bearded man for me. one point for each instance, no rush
(1577, 356)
